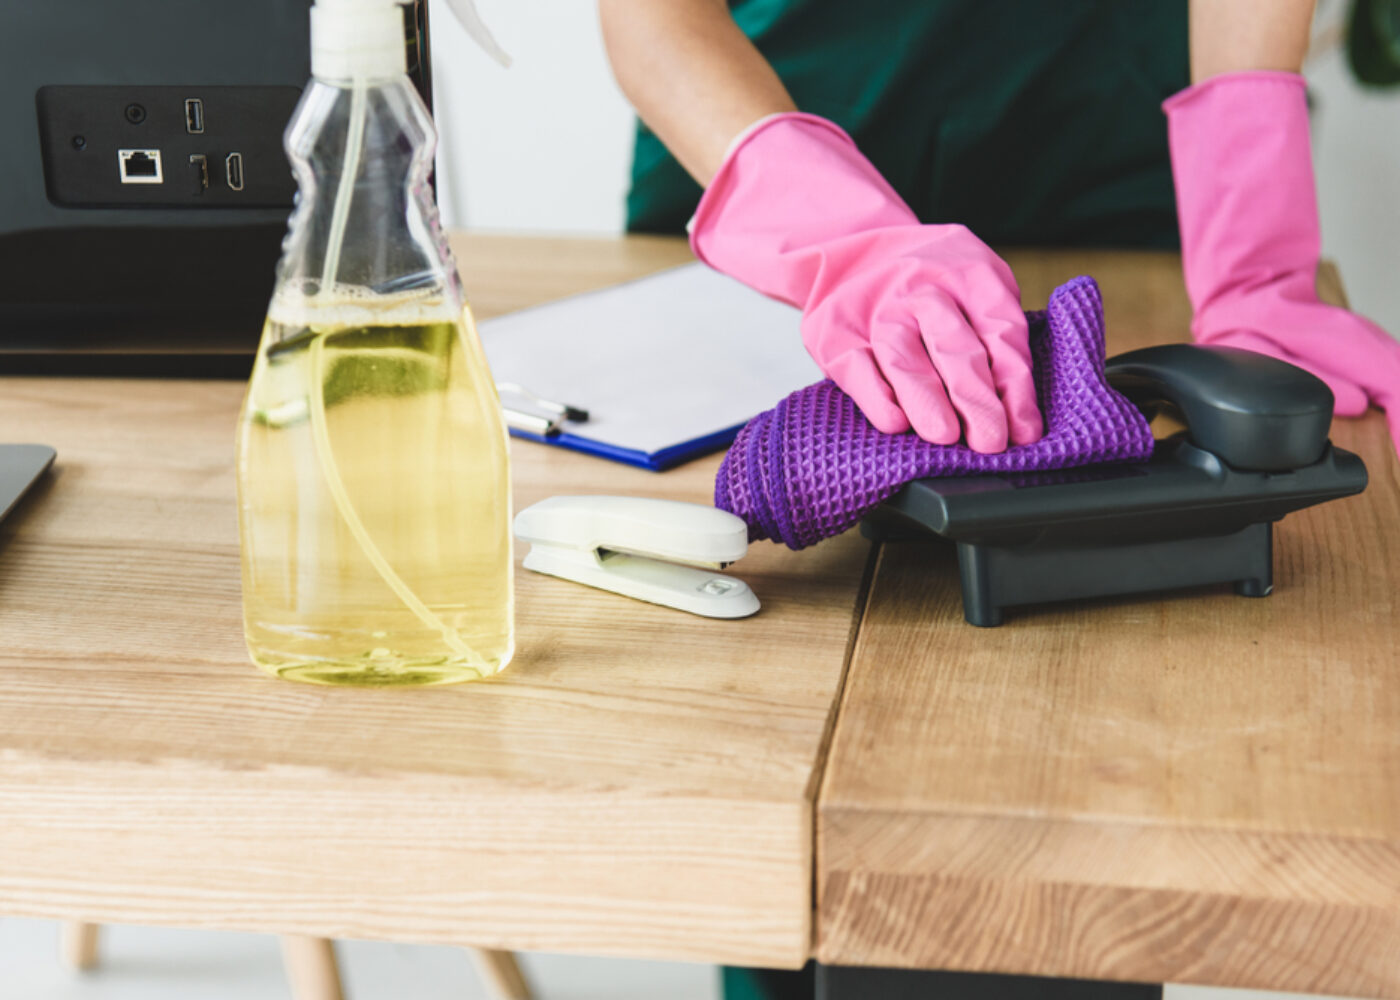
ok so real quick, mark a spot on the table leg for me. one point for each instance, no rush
(311, 968)
(844, 983)
(80, 944)
(501, 974)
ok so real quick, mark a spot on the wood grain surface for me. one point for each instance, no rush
(1196, 787)
(638, 782)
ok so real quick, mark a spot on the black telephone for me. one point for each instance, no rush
(1200, 511)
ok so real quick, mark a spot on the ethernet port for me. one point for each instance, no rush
(140, 166)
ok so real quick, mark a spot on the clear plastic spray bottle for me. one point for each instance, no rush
(374, 501)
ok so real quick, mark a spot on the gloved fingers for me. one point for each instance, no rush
(1351, 399)
(1381, 380)
(960, 359)
(904, 361)
(986, 292)
(1372, 359)
(1337, 345)
(1005, 335)
(1385, 390)
(857, 373)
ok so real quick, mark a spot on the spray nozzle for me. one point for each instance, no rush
(468, 18)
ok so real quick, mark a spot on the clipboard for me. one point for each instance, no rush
(668, 367)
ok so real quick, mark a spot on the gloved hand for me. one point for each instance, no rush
(1250, 238)
(919, 324)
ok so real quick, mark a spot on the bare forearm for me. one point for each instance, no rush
(691, 74)
(1232, 35)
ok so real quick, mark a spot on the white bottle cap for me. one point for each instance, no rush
(357, 40)
(364, 39)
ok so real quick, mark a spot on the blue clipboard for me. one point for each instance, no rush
(656, 461)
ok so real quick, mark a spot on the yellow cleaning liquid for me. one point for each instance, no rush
(373, 497)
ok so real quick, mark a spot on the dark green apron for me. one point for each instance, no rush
(1030, 122)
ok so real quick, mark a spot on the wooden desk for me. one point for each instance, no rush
(639, 782)
(1198, 788)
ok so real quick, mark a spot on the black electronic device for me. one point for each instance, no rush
(1199, 512)
(144, 192)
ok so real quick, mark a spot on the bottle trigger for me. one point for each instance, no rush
(469, 19)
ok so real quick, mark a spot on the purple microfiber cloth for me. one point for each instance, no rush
(813, 466)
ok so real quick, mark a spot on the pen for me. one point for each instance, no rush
(530, 423)
(534, 423)
(561, 410)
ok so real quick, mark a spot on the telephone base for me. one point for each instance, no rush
(1183, 519)
(996, 577)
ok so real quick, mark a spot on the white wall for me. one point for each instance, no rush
(545, 146)
(1356, 150)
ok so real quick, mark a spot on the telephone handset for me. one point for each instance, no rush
(1250, 410)
(1199, 512)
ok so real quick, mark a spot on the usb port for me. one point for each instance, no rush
(233, 170)
(194, 116)
(140, 166)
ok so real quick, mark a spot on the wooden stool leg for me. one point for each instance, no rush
(501, 973)
(311, 968)
(80, 945)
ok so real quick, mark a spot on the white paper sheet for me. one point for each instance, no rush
(657, 362)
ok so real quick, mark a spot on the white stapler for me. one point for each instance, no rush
(633, 545)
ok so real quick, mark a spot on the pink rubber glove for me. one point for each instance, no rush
(920, 325)
(1250, 238)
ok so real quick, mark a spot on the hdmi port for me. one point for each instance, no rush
(233, 170)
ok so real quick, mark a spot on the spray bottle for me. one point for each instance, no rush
(373, 486)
